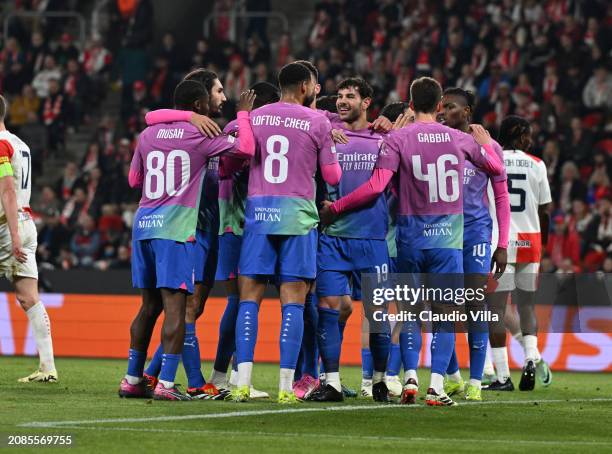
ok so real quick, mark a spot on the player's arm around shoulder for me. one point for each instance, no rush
(8, 198)
(326, 151)
(136, 173)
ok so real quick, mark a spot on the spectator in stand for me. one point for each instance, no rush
(96, 58)
(600, 177)
(66, 50)
(562, 243)
(571, 187)
(93, 159)
(53, 115)
(70, 180)
(16, 78)
(37, 53)
(42, 80)
(85, 243)
(52, 236)
(24, 108)
(161, 83)
(596, 94)
(48, 201)
(172, 53)
(78, 91)
(238, 78)
(579, 143)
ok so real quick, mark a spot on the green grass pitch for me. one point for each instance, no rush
(573, 415)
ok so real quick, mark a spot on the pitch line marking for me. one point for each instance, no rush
(339, 436)
(238, 414)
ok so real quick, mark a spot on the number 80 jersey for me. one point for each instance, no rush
(13, 150)
(528, 189)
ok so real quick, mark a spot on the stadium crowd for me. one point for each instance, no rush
(546, 61)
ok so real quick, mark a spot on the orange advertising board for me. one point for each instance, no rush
(97, 326)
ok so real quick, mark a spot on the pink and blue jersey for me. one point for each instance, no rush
(478, 225)
(233, 193)
(357, 160)
(169, 163)
(429, 159)
(290, 140)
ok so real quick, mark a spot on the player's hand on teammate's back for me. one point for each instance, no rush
(480, 134)
(499, 260)
(325, 213)
(205, 125)
(402, 120)
(338, 136)
(382, 124)
(18, 252)
(247, 98)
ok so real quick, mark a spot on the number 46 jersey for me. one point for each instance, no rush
(289, 141)
(528, 189)
(170, 162)
(13, 150)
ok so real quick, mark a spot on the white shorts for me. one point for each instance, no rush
(523, 276)
(9, 266)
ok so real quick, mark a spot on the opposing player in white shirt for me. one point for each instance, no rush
(18, 244)
(529, 201)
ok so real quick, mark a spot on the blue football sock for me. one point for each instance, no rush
(367, 366)
(292, 330)
(227, 334)
(341, 327)
(136, 361)
(379, 346)
(170, 363)
(246, 331)
(410, 345)
(155, 365)
(328, 335)
(442, 345)
(453, 364)
(395, 360)
(191, 358)
(478, 353)
(310, 351)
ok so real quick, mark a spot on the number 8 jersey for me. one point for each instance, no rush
(528, 189)
(16, 153)
(289, 141)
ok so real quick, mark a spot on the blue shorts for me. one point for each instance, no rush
(161, 263)
(340, 262)
(289, 256)
(229, 256)
(205, 257)
(411, 260)
(393, 265)
(477, 259)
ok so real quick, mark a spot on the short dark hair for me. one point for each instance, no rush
(2, 108)
(510, 130)
(468, 96)
(293, 74)
(365, 89)
(204, 76)
(187, 92)
(312, 68)
(425, 94)
(265, 93)
(394, 110)
(327, 103)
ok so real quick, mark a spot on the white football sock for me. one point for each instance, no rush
(218, 378)
(377, 377)
(333, 379)
(233, 380)
(411, 373)
(456, 377)
(41, 328)
(475, 382)
(244, 374)
(530, 344)
(133, 380)
(167, 384)
(437, 383)
(286, 379)
(500, 359)
(488, 365)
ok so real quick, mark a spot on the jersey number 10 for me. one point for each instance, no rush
(436, 178)
(160, 168)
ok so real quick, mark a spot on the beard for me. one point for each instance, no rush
(308, 100)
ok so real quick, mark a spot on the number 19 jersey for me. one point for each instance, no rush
(528, 189)
(171, 160)
(290, 139)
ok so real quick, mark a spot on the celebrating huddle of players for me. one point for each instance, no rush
(309, 199)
